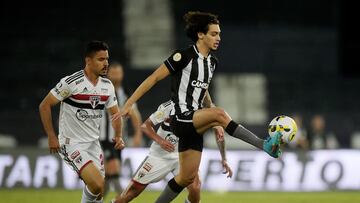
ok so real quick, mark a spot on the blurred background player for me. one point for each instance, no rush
(163, 157)
(113, 156)
(191, 71)
(83, 96)
(319, 136)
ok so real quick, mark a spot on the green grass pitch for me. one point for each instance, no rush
(61, 196)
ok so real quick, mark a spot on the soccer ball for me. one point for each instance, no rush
(285, 125)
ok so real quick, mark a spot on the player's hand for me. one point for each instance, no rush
(227, 169)
(54, 145)
(125, 112)
(167, 146)
(119, 143)
(116, 116)
(219, 132)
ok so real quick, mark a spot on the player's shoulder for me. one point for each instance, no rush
(105, 80)
(184, 54)
(75, 77)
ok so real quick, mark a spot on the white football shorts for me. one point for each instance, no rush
(78, 155)
(153, 169)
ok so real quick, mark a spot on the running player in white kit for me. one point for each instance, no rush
(163, 158)
(83, 96)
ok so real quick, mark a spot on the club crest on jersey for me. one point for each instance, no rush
(94, 100)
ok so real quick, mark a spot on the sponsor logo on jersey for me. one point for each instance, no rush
(199, 84)
(75, 154)
(78, 160)
(141, 174)
(172, 139)
(94, 100)
(56, 90)
(82, 115)
(212, 67)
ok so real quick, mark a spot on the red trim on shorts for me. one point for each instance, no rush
(138, 185)
(84, 166)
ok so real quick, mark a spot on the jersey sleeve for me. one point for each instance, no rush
(161, 114)
(112, 100)
(62, 90)
(177, 61)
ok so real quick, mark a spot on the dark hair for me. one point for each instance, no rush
(197, 21)
(95, 46)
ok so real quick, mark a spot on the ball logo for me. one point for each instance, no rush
(177, 57)
(94, 100)
(64, 93)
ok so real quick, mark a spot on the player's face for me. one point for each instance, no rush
(212, 37)
(116, 75)
(99, 62)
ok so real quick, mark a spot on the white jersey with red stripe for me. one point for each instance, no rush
(161, 116)
(81, 108)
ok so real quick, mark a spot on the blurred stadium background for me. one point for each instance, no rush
(298, 58)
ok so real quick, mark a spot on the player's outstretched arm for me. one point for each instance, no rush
(219, 132)
(46, 119)
(136, 121)
(116, 124)
(160, 73)
(148, 128)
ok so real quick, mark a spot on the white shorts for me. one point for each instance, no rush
(154, 169)
(78, 155)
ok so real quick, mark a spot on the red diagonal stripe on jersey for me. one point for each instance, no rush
(87, 96)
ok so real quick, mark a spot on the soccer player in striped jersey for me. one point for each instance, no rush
(82, 97)
(191, 71)
(163, 157)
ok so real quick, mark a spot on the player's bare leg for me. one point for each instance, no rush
(189, 162)
(112, 174)
(133, 190)
(94, 184)
(194, 191)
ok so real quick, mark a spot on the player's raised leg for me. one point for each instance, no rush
(204, 119)
(94, 184)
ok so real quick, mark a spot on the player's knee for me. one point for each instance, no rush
(220, 115)
(187, 180)
(98, 187)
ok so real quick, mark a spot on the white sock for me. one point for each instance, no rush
(89, 197)
(187, 200)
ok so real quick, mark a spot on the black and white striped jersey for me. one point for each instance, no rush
(191, 75)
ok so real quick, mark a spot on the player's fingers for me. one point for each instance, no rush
(115, 116)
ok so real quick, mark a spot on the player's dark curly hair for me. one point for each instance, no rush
(95, 46)
(197, 21)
